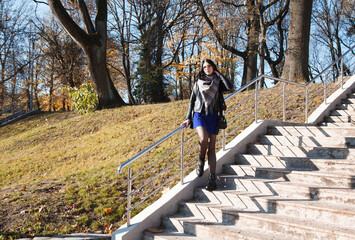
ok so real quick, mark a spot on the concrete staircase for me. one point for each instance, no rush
(296, 182)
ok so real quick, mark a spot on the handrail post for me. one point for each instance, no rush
(306, 105)
(224, 137)
(129, 199)
(284, 102)
(342, 72)
(325, 89)
(182, 156)
(256, 101)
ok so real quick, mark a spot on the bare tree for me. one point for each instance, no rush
(255, 27)
(331, 30)
(155, 20)
(121, 12)
(93, 41)
(12, 28)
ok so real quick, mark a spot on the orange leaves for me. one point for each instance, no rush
(24, 188)
(107, 210)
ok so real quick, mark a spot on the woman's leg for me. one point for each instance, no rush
(211, 152)
(203, 141)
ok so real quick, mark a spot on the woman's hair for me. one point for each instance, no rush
(201, 73)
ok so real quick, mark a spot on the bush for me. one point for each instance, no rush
(84, 99)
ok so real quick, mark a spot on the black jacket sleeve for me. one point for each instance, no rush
(192, 103)
(225, 84)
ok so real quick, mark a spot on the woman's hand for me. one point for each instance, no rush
(185, 123)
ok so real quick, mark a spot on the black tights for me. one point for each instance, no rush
(207, 144)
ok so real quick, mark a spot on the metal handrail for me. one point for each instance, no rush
(133, 159)
(129, 162)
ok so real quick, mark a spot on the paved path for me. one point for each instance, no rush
(74, 236)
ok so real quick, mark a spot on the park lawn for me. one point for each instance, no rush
(58, 171)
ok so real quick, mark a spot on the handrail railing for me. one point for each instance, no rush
(253, 110)
(15, 110)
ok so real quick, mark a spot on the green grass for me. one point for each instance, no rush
(58, 171)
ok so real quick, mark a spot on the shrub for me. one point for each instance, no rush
(84, 99)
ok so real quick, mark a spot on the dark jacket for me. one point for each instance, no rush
(196, 100)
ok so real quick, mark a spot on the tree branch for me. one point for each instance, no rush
(216, 33)
(176, 52)
(78, 34)
(20, 69)
(280, 15)
(86, 17)
(36, 1)
(118, 70)
(233, 4)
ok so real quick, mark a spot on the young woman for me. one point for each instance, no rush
(205, 104)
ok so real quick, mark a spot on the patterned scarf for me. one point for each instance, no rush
(208, 86)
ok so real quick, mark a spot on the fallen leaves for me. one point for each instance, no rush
(108, 210)
(155, 230)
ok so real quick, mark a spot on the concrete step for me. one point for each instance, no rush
(312, 131)
(350, 124)
(246, 184)
(236, 197)
(240, 170)
(306, 141)
(290, 151)
(167, 235)
(346, 106)
(339, 119)
(314, 210)
(204, 229)
(338, 112)
(310, 210)
(294, 163)
(323, 179)
(287, 225)
(350, 100)
(312, 191)
(326, 179)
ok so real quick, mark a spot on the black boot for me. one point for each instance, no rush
(201, 164)
(211, 185)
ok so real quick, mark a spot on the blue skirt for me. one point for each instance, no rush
(210, 122)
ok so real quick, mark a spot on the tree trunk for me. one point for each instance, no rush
(251, 61)
(106, 91)
(297, 52)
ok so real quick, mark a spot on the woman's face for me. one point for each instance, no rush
(207, 68)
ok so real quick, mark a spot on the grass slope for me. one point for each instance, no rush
(58, 171)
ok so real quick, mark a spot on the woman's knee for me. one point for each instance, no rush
(211, 148)
(203, 140)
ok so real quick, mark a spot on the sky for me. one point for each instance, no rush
(40, 9)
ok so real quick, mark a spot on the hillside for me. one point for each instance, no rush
(58, 171)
